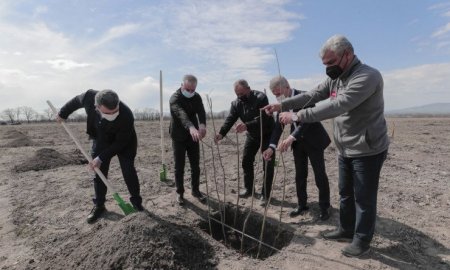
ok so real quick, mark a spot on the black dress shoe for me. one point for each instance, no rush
(245, 193)
(95, 213)
(138, 207)
(197, 194)
(338, 235)
(298, 211)
(324, 214)
(180, 199)
(263, 201)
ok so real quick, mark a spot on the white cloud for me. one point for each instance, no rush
(441, 31)
(230, 30)
(40, 10)
(66, 64)
(117, 32)
(417, 85)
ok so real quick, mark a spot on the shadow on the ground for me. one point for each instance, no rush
(404, 247)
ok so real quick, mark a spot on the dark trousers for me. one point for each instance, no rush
(193, 152)
(358, 189)
(316, 157)
(250, 150)
(126, 160)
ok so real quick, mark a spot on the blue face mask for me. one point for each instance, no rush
(187, 94)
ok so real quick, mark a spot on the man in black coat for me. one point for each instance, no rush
(308, 140)
(247, 108)
(186, 132)
(110, 125)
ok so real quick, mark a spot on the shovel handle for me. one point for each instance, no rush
(88, 157)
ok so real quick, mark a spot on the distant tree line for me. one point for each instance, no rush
(29, 115)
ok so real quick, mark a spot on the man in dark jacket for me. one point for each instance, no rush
(186, 132)
(308, 140)
(247, 108)
(110, 125)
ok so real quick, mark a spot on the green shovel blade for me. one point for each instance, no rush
(126, 207)
(163, 173)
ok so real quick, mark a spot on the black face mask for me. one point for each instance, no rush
(335, 71)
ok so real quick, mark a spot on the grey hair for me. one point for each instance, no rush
(107, 98)
(337, 44)
(278, 81)
(190, 79)
(242, 83)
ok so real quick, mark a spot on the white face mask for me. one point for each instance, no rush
(187, 93)
(281, 98)
(110, 117)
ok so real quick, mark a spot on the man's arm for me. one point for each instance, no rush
(321, 92)
(72, 105)
(359, 88)
(262, 101)
(230, 120)
(201, 111)
(178, 112)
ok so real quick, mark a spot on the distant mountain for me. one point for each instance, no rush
(435, 108)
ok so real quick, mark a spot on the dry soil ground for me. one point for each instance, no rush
(45, 192)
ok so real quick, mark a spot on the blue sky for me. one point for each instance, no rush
(54, 50)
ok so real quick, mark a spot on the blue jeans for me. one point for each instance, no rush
(358, 188)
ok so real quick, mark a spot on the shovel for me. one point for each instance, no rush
(126, 207)
(163, 171)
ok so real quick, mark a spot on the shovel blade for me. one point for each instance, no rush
(163, 173)
(126, 207)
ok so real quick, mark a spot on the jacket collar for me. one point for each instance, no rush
(350, 69)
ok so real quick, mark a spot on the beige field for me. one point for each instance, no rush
(45, 196)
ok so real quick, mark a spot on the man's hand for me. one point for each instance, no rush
(284, 145)
(286, 117)
(241, 127)
(267, 154)
(59, 119)
(194, 134)
(271, 108)
(202, 131)
(95, 163)
(217, 138)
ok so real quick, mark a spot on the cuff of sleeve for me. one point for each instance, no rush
(273, 146)
(202, 126)
(98, 159)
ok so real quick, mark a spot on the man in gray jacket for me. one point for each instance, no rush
(356, 103)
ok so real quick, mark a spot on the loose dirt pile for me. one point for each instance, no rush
(17, 139)
(48, 158)
(138, 241)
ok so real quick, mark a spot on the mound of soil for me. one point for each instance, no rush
(137, 241)
(48, 158)
(19, 139)
(20, 142)
(11, 134)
